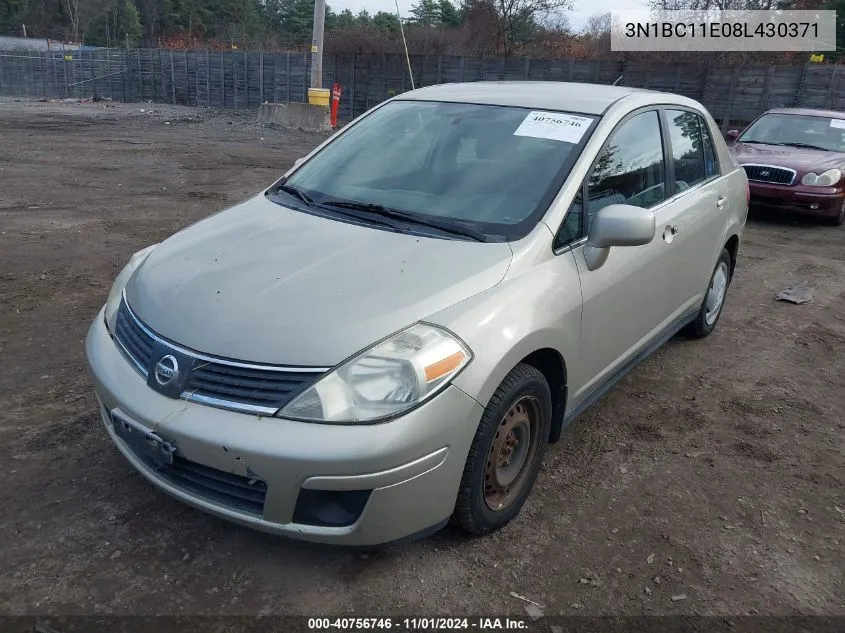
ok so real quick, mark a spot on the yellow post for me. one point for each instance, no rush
(319, 96)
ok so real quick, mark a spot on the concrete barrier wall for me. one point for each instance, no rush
(298, 116)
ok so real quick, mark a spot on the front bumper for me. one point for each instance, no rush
(815, 201)
(412, 465)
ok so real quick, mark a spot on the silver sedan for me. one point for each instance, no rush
(393, 333)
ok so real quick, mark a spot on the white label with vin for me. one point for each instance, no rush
(554, 125)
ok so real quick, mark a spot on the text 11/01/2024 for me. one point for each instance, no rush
(408, 625)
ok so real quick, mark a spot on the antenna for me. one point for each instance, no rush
(405, 44)
(618, 79)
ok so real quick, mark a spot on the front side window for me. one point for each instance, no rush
(797, 130)
(685, 135)
(492, 168)
(629, 169)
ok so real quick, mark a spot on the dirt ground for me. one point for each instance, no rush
(715, 470)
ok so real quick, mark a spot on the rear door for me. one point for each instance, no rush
(699, 202)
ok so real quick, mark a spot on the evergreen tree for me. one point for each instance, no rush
(448, 14)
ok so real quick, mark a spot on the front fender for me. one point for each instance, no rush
(535, 310)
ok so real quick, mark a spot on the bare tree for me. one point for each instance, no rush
(73, 8)
(598, 26)
(517, 17)
(82, 12)
(595, 35)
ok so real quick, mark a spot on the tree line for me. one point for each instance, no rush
(537, 28)
(432, 26)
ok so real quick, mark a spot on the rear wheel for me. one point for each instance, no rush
(506, 452)
(714, 300)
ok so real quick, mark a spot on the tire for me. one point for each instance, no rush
(839, 220)
(706, 320)
(486, 501)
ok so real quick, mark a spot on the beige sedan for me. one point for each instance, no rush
(392, 334)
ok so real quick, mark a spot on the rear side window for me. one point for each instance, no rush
(686, 136)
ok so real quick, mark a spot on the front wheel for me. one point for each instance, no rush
(838, 220)
(506, 452)
(714, 301)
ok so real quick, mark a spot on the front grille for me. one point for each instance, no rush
(219, 487)
(251, 387)
(217, 382)
(132, 340)
(770, 173)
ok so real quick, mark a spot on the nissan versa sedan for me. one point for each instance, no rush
(391, 335)
(795, 161)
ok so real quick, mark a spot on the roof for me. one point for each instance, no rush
(552, 95)
(833, 114)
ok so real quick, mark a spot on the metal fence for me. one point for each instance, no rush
(246, 79)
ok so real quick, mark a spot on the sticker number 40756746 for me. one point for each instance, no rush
(553, 125)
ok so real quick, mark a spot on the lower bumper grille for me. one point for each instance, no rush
(225, 489)
(221, 488)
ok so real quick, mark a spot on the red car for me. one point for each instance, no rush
(795, 160)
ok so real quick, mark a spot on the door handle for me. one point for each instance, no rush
(721, 201)
(670, 232)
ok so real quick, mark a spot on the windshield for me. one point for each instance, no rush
(492, 168)
(797, 129)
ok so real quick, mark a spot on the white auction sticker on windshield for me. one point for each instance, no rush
(553, 125)
(840, 123)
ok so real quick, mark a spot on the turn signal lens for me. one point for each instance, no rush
(445, 366)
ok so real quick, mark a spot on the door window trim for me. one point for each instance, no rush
(668, 166)
(582, 239)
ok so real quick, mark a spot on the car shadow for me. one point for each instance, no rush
(771, 216)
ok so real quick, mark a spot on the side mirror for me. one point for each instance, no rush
(617, 225)
(298, 161)
(732, 135)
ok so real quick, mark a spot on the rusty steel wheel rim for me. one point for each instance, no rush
(511, 453)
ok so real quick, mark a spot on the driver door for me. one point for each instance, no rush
(630, 299)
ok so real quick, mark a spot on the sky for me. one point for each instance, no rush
(583, 9)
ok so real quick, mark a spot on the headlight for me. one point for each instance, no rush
(113, 302)
(384, 380)
(827, 179)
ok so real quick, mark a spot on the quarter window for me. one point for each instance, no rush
(570, 230)
(686, 136)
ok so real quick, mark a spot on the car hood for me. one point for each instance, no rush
(263, 283)
(797, 158)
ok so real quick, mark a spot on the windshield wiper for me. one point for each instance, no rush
(296, 193)
(804, 145)
(409, 218)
